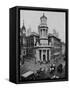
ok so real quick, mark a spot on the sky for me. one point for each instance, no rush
(55, 20)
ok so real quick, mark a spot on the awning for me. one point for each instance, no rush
(27, 74)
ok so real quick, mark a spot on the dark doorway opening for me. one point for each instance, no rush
(44, 58)
(48, 55)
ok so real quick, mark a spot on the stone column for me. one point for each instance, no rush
(49, 54)
(46, 55)
(41, 55)
(37, 55)
(45, 32)
(42, 34)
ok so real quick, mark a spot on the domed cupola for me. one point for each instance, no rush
(42, 28)
(43, 20)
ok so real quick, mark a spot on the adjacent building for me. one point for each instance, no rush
(23, 43)
(56, 50)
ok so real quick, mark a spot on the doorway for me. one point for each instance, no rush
(48, 55)
(44, 57)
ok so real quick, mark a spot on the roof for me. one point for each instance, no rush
(51, 35)
(43, 16)
(27, 74)
(63, 43)
(23, 28)
(34, 33)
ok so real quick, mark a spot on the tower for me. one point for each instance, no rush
(43, 30)
(22, 43)
(23, 35)
(23, 29)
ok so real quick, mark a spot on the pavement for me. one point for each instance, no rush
(31, 65)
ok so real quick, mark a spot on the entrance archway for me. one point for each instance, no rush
(44, 57)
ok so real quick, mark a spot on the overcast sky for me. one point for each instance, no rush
(55, 20)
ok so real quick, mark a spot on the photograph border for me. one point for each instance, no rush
(18, 40)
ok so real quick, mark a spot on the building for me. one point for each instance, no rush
(38, 44)
(23, 42)
(42, 46)
(31, 43)
(56, 50)
(63, 48)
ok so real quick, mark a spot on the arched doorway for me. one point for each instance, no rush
(44, 57)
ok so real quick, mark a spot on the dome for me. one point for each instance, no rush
(43, 17)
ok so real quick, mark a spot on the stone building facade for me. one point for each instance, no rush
(56, 50)
(42, 46)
